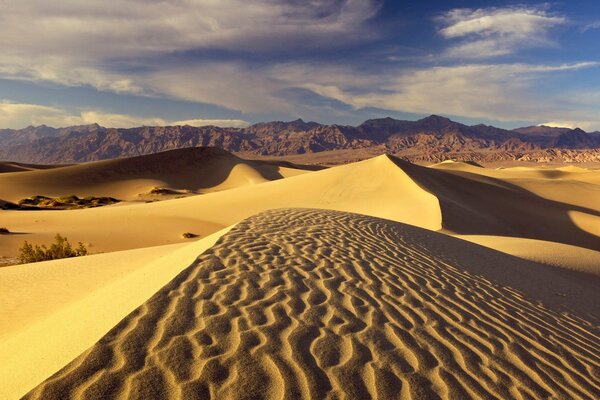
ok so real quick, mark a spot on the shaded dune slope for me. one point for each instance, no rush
(572, 185)
(198, 168)
(321, 304)
(474, 204)
(373, 187)
(7, 166)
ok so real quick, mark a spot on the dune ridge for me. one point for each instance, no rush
(373, 187)
(53, 311)
(202, 169)
(300, 303)
(7, 166)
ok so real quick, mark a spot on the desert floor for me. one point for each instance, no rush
(374, 279)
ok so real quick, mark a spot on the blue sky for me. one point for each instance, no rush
(235, 62)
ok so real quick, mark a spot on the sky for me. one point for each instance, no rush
(238, 62)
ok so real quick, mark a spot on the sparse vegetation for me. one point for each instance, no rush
(159, 190)
(63, 202)
(4, 230)
(188, 235)
(61, 248)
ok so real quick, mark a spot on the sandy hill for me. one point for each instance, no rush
(374, 187)
(457, 202)
(199, 169)
(358, 299)
(53, 311)
(298, 303)
(21, 167)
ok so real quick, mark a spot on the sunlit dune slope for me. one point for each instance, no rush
(374, 187)
(549, 253)
(51, 312)
(201, 169)
(322, 304)
(551, 207)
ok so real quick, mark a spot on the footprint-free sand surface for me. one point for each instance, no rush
(374, 187)
(201, 169)
(376, 279)
(51, 312)
(299, 303)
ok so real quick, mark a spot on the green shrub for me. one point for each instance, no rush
(61, 248)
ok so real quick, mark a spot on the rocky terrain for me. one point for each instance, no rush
(431, 139)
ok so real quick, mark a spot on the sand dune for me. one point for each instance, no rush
(321, 304)
(373, 187)
(53, 311)
(458, 202)
(476, 204)
(200, 169)
(571, 185)
(549, 253)
(8, 166)
(306, 303)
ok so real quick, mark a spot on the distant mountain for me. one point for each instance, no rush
(433, 139)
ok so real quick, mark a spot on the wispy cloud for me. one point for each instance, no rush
(501, 92)
(19, 115)
(94, 29)
(492, 32)
(582, 124)
(590, 26)
(168, 51)
(91, 43)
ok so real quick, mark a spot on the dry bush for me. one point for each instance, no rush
(61, 248)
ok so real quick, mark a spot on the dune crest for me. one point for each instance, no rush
(203, 169)
(322, 304)
(53, 311)
(374, 187)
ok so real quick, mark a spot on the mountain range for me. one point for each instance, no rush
(430, 139)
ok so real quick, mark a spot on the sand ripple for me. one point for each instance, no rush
(322, 304)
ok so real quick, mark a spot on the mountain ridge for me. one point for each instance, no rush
(433, 138)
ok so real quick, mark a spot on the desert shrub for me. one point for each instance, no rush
(4, 230)
(61, 248)
(188, 235)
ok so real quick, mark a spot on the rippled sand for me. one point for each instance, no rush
(302, 303)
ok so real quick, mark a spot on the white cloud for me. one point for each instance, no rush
(19, 115)
(490, 91)
(132, 28)
(590, 26)
(585, 125)
(494, 32)
(80, 43)
(225, 123)
(16, 115)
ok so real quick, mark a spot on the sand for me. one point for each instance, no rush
(570, 185)
(53, 311)
(321, 304)
(560, 210)
(7, 166)
(356, 281)
(374, 187)
(201, 169)
(549, 253)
